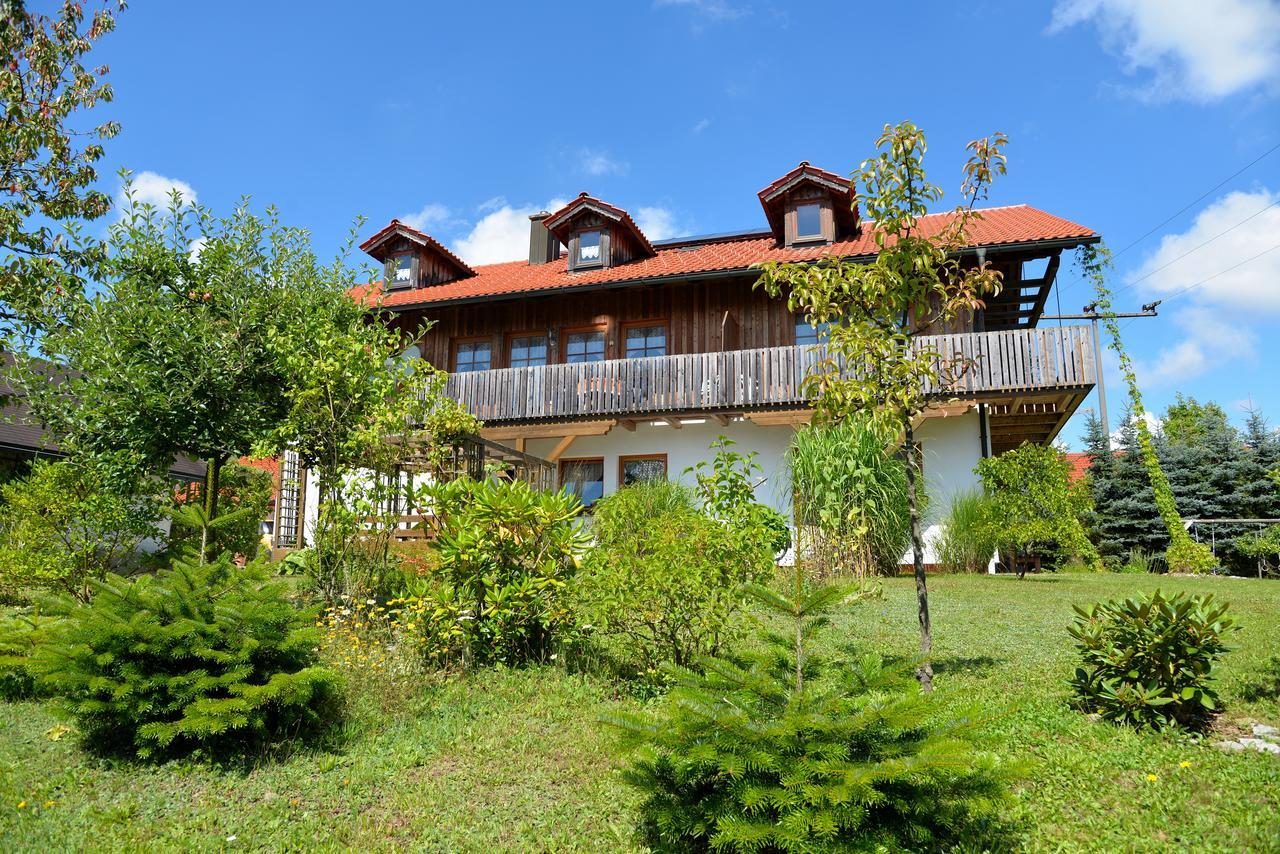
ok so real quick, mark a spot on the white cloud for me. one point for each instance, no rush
(195, 247)
(656, 223)
(1153, 425)
(701, 125)
(1207, 342)
(1234, 229)
(1199, 50)
(712, 10)
(597, 163)
(432, 215)
(502, 234)
(155, 189)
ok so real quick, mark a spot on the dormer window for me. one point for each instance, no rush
(809, 221)
(589, 248)
(400, 270)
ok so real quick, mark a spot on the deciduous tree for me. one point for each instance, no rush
(875, 310)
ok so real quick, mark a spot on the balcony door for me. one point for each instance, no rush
(584, 345)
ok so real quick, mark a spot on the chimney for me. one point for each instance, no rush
(543, 245)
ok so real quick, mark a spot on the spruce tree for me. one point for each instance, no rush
(1257, 493)
(1125, 514)
(780, 750)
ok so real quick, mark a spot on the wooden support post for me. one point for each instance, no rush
(560, 448)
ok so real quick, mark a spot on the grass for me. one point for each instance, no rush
(515, 760)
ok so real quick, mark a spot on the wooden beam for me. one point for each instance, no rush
(628, 424)
(560, 448)
(673, 423)
(722, 419)
(549, 431)
(520, 444)
(787, 418)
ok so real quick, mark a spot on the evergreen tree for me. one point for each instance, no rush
(1125, 514)
(1200, 451)
(1257, 493)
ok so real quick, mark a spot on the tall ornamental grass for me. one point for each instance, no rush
(967, 543)
(850, 493)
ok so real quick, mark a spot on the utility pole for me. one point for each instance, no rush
(1091, 314)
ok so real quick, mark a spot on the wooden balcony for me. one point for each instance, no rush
(1004, 363)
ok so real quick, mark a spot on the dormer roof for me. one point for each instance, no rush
(380, 246)
(563, 222)
(839, 190)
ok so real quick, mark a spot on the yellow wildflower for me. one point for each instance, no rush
(1184, 764)
(1152, 777)
(22, 805)
(49, 805)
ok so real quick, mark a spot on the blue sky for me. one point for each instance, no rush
(462, 117)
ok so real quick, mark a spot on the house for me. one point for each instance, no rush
(618, 358)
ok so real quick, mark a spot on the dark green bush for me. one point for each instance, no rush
(665, 580)
(775, 751)
(18, 636)
(1147, 661)
(210, 658)
(244, 494)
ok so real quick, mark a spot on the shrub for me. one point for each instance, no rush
(850, 492)
(507, 552)
(777, 751)
(1034, 505)
(210, 658)
(1147, 661)
(966, 543)
(63, 526)
(665, 580)
(367, 644)
(18, 636)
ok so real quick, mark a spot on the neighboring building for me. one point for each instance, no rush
(619, 358)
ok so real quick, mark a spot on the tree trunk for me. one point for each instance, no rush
(212, 483)
(925, 671)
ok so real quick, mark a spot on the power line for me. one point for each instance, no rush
(1208, 279)
(1196, 248)
(1197, 200)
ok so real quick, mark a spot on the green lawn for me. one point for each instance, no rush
(517, 761)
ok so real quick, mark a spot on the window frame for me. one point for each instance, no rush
(578, 262)
(795, 332)
(561, 463)
(565, 332)
(455, 345)
(655, 323)
(512, 337)
(817, 235)
(623, 459)
(392, 284)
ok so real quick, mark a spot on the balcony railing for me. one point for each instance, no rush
(767, 378)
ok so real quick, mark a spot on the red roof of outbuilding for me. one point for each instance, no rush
(998, 226)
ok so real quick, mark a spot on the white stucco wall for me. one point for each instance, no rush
(686, 447)
(951, 450)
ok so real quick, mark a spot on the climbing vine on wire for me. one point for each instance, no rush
(1183, 554)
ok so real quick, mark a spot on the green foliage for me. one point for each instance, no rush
(507, 552)
(1139, 561)
(206, 657)
(664, 579)
(850, 494)
(968, 541)
(244, 494)
(775, 750)
(48, 159)
(63, 527)
(1032, 504)
(19, 633)
(1124, 514)
(1263, 546)
(1183, 554)
(1147, 661)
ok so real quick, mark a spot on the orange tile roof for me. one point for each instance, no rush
(998, 226)
(1080, 463)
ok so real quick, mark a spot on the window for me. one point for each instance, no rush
(586, 346)
(641, 468)
(472, 356)
(808, 335)
(808, 220)
(646, 341)
(583, 478)
(527, 351)
(400, 271)
(589, 248)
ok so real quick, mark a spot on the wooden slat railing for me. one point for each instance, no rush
(1007, 361)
